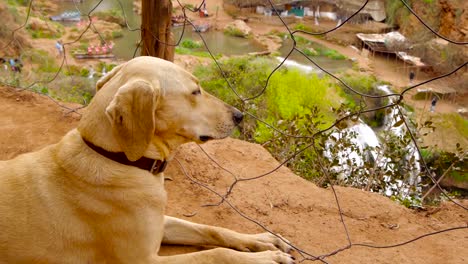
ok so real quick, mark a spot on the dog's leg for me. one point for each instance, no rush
(227, 256)
(177, 231)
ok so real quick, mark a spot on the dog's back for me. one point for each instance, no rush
(49, 214)
(27, 208)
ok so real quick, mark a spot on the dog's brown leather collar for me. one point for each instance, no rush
(151, 165)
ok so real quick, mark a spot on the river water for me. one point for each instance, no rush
(216, 41)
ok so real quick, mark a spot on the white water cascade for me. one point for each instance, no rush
(359, 146)
(363, 146)
(361, 138)
(412, 155)
(390, 121)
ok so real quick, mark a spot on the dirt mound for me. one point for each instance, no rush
(281, 201)
(29, 121)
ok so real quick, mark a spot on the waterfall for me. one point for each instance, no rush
(391, 120)
(359, 158)
(360, 146)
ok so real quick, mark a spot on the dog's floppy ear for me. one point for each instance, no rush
(132, 115)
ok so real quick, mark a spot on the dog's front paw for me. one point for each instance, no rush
(263, 242)
(272, 257)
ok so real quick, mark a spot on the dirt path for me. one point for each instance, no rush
(282, 202)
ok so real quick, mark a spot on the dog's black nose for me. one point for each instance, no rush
(237, 116)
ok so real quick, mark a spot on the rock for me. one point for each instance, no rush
(238, 28)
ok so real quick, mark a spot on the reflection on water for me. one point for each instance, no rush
(216, 41)
(125, 47)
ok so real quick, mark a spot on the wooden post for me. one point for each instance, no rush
(156, 29)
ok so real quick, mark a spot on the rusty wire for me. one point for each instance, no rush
(224, 197)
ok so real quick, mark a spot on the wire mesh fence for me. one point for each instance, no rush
(322, 141)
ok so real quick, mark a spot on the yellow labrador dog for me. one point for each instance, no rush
(98, 196)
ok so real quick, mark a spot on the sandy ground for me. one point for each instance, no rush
(282, 202)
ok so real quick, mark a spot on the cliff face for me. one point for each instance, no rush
(454, 19)
(447, 17)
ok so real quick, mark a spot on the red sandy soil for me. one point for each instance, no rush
(285, 203)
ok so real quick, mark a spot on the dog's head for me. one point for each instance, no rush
(152, 103)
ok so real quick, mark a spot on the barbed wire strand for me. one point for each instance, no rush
(426, 168)
(310, 257)
(224, 198)
(205, 186)
(13, 32)
(388, 95)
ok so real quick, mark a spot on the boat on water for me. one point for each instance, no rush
(67, 16)
(79, 55)
(100, 51)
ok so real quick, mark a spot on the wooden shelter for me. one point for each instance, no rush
(391, 42)
(439, 90)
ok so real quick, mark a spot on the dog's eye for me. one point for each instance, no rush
(197, 92)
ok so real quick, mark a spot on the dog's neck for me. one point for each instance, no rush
(152, 165)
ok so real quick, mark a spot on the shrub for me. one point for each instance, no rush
(333, 54)
(190, 44)
(291, 93)
(46, 33)
(302, 27)
(441, 161)
(117, 34)
(43, 59)
(395, 11)
(114, 15)
(247, 75)
(294, 102)
(311, 48)
(361, 82)
(186, 51)
(310, 52)
(458, 122)
(72, 70)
